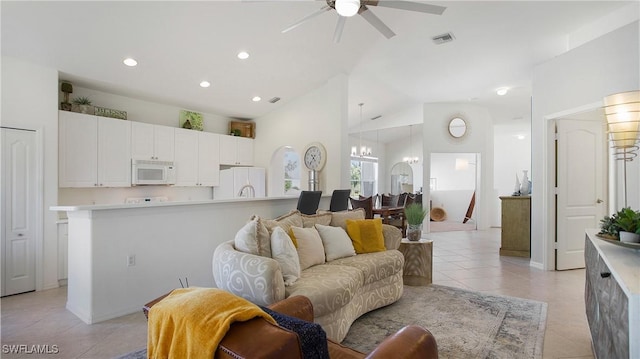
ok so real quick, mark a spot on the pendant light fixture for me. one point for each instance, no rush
(411, 159)
(364, 150)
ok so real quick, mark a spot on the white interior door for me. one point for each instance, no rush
(581, 185)
(18, 211)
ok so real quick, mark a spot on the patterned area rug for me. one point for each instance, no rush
(465, 324)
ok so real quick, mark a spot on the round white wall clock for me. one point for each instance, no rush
(315, 156)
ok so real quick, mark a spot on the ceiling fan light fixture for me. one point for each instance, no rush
(347, 8)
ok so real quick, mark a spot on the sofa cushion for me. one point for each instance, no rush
(310, 249)
(253, 239)
(339, 219)
(283, 251)
(329, 287)
(336, 242)
(366, 235)
(291, 219)
(374, 266)
(309, 220)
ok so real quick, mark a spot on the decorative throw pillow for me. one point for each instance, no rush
(310, 249)
(336, 242)
(262, 236)
(339, 219)
(283, 251)
(291, 219)
(309, 220)
(246, 239)
(313, 339)
(366, 235)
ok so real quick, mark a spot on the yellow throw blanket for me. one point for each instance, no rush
(191, 322)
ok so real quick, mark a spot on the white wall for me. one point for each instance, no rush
(397, 151)
(478, 139)
(30, 101)
(582, 76)
(319, 116)
(512, 156)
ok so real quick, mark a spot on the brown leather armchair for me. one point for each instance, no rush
(258, 338)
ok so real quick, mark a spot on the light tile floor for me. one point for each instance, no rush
(461, 259)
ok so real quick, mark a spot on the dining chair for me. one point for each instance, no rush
(366, 204)
(308, 202)
(339, 200)
(390, 200)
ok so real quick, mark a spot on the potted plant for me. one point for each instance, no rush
(628, 221)
(83, 104)
(415, 214)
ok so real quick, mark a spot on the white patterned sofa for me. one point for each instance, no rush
(341, 290)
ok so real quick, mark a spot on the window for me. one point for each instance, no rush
(364, 176)
(291, 165)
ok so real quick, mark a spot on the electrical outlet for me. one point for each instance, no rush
(131, 260)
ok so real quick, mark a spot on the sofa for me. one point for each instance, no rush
(278, 342)
(340, 289)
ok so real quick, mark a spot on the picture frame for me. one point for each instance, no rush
(191, 120)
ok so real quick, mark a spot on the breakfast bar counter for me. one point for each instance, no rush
(123, 255)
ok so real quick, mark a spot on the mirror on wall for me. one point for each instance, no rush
(401, 178)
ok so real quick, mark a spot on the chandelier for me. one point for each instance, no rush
(364, 150)
(411, 159)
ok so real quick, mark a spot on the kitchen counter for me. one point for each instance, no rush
(121, 256)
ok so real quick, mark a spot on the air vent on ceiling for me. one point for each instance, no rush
(441, 39)
(274, 100)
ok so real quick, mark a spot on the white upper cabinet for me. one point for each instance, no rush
(152, 142)
(93, 151)
(236, 151)
(197, 158)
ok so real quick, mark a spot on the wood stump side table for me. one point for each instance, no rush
(418, 261)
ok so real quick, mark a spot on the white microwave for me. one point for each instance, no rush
(145, 172)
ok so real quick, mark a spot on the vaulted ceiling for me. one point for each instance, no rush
(179, 44)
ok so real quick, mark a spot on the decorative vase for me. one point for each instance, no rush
(628, 237)
(524, 186)
(414, 232)
(516, 190)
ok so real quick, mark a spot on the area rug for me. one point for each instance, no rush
(465, 324)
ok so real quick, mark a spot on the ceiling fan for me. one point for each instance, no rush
(348, 8)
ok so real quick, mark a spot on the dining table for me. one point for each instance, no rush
(387, 213)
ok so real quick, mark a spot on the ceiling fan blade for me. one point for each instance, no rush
(339, 27)
(307, 18)
(377, 23)
(409, 5)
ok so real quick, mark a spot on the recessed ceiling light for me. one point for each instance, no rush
(520, 137)
(502, 91)
(205, 84)
(130, 62)
(242, 55)
(256, 99)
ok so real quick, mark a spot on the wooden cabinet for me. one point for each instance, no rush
(197, 158)
(612, 298)
(93, 151)
(236, 151)
(516, 226)
(152, 142)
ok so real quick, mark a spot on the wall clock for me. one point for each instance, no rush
(315, 156)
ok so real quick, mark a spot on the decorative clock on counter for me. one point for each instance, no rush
(315, 156)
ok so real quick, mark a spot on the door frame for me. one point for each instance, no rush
(549, 195)
(39, 202)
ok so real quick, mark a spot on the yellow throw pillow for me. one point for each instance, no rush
(366, 235)
(293, 237)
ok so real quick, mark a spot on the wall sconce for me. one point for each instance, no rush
(462, 164)
(622, 111)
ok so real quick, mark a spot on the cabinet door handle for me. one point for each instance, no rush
(605, 274)
(599, 200)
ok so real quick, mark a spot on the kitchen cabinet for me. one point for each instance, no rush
(612, 298)
(516, 226)
(152, 142)
(197, 158)
(233, 180)
(236, 151)
(93, 151)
